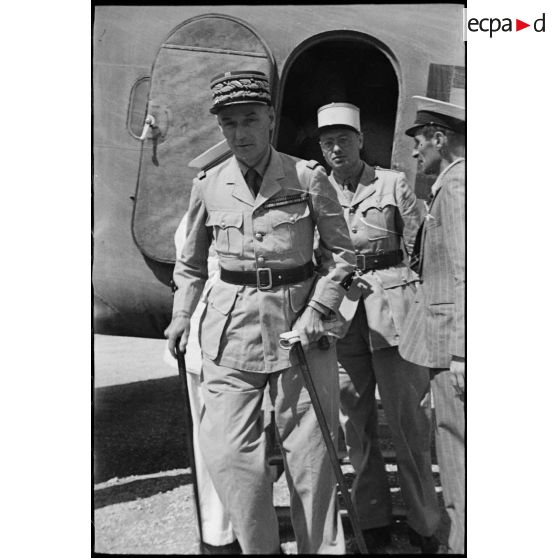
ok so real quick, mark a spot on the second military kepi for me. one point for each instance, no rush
(337, 117)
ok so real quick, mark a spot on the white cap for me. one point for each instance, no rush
(339, 114)
(434, 105)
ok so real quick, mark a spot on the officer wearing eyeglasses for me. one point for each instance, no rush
(383, 216)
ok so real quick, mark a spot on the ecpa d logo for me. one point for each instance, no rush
(494, 24)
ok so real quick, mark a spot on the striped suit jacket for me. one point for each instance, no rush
(435, 327)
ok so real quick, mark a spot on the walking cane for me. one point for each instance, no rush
(190, 439)
(291, 339)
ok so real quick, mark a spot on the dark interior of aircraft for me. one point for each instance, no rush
(338, 70)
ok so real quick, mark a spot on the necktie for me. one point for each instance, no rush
(348, 189)
(253, 180)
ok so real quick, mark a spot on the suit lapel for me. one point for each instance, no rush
(434, 211)
(441, 181)
(240, 189)
(344, 202)
(367, 185)
(422, 232)
(271, 183)
(436, 192)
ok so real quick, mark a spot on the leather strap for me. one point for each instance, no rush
(266, 278)
(372, 262)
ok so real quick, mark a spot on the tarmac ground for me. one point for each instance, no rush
(143, 497)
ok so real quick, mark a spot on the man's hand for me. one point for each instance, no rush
(179, 328)
(457, 369)
(310, 326)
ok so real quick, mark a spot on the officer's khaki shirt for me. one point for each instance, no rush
(383, 215)
(241, 326)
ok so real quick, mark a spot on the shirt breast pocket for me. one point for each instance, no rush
(228, 232)
(291, 227)
(378, 216)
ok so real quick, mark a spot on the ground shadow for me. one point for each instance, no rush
(138, 489)
(139, 429)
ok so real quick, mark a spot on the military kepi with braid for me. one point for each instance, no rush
(233, 88)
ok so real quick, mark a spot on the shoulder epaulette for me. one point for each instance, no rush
(201, 175)
(312, 164)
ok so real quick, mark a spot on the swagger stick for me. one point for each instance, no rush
(190, 439)
(293, 340)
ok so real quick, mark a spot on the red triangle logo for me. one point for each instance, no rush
(519, 25)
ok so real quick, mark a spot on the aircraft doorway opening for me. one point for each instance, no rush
(350, 70)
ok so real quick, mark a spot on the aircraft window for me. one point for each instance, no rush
(137, 106)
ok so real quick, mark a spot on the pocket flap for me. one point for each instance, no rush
(396, 277)
(222, 297)
(224, 219)
(290, 214)
(377, 202)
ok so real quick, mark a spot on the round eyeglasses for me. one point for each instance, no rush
(341, 141)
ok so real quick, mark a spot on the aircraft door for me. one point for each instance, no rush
(340, 66)
(181, 125)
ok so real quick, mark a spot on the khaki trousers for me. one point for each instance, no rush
(233, 446)
(404, 389)
(450, 449)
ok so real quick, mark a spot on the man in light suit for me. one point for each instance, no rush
(434, 334)
(263, 208)
(383, 215)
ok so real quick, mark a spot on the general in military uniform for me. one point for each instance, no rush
(383, 216)
(263, 208)
(434, 334)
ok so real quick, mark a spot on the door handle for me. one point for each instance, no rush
(149, 124)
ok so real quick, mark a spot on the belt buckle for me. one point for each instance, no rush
(267, 283)
(361, 258)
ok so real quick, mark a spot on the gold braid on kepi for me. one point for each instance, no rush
(233, 88)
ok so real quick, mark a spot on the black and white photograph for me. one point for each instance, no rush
(250, 253)
(286, 204)
(279, 279)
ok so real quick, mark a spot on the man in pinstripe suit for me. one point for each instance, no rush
(434, 334)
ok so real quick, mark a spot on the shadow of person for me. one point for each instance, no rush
(139, 429)
(138, 489)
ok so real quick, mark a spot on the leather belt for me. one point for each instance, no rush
(266, 278)
(372, 262)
